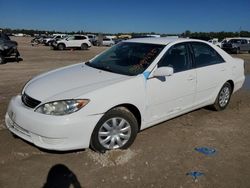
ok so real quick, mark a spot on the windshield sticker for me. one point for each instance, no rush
(146, 74)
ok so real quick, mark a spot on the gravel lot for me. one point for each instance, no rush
(160, 157)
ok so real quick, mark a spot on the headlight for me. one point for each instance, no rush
(64, 107)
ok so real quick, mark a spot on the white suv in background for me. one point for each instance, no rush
(74, 41)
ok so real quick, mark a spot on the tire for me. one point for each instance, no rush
(237, 51)
(61, 46)
(223, 97)
(2, 59)
(84, 47)
(117, 129)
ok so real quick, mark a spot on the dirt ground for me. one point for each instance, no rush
(160, 157)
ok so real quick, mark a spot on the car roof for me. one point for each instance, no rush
(168, 40)
(162, 40)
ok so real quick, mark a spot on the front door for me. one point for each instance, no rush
(170, 95)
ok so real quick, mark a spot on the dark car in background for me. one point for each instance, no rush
(8, 48)
(237, 45)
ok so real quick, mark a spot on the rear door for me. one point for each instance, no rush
(79, 40)
(245, 46)
(212, 71)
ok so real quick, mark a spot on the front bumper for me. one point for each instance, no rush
(11, 52)
(62, 133)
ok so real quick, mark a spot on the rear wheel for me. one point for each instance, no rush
(84, 46)
(61, 46)
(2, 59)
(223, 97)
(117, 129)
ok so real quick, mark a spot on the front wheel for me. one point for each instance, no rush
(84, 46)
(237, 51)
(223, 97)
(117, 129)
(61, 46)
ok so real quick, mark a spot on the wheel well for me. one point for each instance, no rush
(61, 44)
(134, 110)
(231, 83)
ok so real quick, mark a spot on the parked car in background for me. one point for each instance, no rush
(118, 40)
(92, 39)
(237, 45)
(74, 41)
(133, 85)
(108, 42)
(8, 48)
(4, 36)
(215, 42)
(225, 40)
(55, 37)
(37, 40)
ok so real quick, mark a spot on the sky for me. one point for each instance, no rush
(113, 16)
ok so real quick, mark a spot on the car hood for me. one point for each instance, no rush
(70, 82)
(9, 43)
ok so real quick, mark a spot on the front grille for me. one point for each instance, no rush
(30, 102)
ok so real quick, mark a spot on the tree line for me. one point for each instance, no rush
(196, 35)
(209, 35)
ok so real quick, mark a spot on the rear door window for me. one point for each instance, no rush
(205, 55)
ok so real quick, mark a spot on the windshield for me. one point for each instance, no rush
(127, 58)
(235, 41)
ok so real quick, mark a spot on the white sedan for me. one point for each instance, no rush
(136, 84)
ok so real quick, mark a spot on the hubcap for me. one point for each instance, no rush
(114, 133)
(224, 96)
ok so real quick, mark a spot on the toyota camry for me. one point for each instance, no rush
(138, 83)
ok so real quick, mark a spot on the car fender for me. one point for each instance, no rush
(130, 91)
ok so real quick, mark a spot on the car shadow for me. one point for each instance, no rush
(60, 176)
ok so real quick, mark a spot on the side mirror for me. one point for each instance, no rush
(163, 71)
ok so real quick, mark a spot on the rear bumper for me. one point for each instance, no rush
(239, 83)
